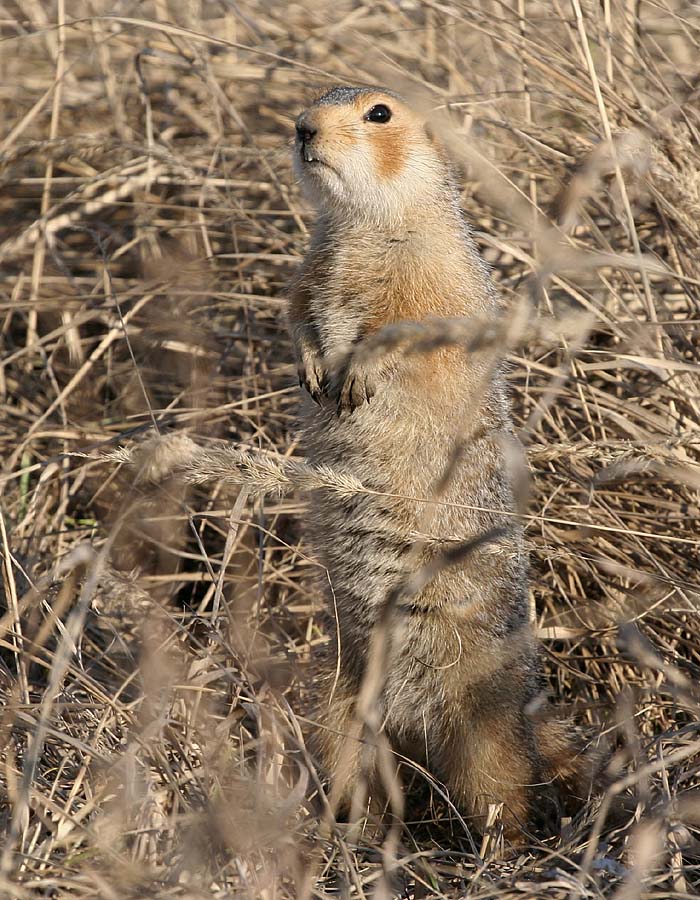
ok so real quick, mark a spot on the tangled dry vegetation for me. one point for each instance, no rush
(155, 628)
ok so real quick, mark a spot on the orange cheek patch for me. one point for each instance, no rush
(389, 151)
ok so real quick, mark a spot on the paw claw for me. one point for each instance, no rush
(312, 377)
(358, 388)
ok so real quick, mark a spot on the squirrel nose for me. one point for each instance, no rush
(305, 132)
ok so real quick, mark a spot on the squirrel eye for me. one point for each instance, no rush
(379, 113)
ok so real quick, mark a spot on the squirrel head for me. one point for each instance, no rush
(362, 154)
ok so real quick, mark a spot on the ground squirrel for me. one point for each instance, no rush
(462, 676)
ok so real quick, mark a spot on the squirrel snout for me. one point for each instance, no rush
(305, 131)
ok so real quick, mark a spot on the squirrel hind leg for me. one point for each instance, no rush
(362, 773)
(486, 763)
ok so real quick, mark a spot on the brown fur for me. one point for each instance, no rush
(462, 667)
(389, 154)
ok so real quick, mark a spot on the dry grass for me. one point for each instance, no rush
(154, 632)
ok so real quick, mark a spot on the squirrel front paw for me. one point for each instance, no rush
(356, 385)
(312, 375)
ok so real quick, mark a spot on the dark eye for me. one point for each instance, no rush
(379, 113)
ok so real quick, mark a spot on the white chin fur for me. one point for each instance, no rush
(357, 197)
(320, 185)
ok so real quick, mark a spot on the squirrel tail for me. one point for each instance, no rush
(569, 764)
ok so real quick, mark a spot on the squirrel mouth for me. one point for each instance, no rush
(310, 159)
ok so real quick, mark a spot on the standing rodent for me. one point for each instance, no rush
(462, 676)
